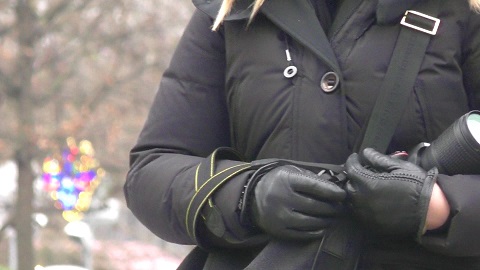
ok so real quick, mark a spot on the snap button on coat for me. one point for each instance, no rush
(329, 82)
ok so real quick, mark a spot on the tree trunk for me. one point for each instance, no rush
(24, 211)
(25, 143)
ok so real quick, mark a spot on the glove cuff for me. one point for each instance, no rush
(424, 200)
(244, 205)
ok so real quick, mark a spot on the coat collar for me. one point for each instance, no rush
(298, 19)
(388, 11)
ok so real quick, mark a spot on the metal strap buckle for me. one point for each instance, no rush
(424, 23)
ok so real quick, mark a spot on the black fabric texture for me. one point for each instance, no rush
(227, 89)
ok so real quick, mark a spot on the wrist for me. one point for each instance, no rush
(438, 209)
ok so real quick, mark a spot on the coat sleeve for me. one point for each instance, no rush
(188, 120)
(460, 237)
(462, 191)
(471, 65)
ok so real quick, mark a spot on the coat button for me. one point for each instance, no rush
(329, 82)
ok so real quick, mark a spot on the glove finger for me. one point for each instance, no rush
(378, 161)
(312, 207)
(315, 187)
(385, 163)
(355, 169)
(359, 177)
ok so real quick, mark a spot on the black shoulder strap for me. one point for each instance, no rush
(341, 247)
(396, 88)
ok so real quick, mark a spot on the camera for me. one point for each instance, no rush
(455, 151)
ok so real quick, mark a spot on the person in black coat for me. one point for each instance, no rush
(249, 150)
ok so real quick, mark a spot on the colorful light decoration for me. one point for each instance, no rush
(72, 178)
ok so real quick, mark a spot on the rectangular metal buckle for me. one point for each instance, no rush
(435, 22)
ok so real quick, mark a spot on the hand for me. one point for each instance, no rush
(389, 195)
(294, 203)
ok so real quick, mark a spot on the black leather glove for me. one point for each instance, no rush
(389, 195)
(292, 203)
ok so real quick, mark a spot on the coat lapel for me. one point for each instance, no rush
(298, 19)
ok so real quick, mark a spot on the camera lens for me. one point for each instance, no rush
(473, 123)
(457, 149)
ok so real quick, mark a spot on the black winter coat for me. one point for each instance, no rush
(227, 88)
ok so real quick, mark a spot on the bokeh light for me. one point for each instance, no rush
(72, 177)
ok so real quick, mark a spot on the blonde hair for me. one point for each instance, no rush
(475, 5)
(227, 7)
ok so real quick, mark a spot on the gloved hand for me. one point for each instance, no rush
(389, 195)
(293, 203)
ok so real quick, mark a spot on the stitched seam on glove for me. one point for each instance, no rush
(310, 177)
(385, 176)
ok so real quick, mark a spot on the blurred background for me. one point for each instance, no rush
(77, 78)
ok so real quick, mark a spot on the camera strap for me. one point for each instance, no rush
(417, 30)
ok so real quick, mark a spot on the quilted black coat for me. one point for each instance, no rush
(227, 88)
